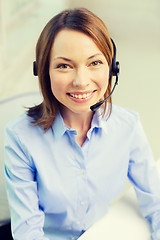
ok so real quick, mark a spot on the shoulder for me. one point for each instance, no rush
(22, 125)
(124, 114)
(122, 118)
(19, 122)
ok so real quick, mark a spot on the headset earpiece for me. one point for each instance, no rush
(115, 68)
(35, 69)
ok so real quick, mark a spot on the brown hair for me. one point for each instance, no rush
(79, 19)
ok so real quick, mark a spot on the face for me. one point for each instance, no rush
(78, 71)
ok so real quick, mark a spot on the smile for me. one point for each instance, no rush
(80, 96)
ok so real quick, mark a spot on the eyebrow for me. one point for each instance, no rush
(69, 60)
(66, 59)
(95, 55)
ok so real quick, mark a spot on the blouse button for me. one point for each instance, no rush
(82, 203)
(81, 171)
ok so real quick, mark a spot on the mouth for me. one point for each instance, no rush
(81, 96)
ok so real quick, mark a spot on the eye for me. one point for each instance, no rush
(63, 66)
(96, 63)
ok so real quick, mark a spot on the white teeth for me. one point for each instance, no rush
(80, 96)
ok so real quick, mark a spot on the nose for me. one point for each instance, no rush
(81, 78)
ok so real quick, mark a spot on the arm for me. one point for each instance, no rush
(26, 217)
(145, 179)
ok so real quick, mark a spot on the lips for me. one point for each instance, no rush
(81, 96)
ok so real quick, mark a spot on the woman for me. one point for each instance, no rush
(65, 163)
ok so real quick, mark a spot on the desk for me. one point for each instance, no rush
(123, 221)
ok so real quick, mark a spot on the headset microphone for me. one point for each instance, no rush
(97, 105)
(115, 68)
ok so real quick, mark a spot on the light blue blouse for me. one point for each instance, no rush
(57, 189)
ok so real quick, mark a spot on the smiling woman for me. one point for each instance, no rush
(67, 27)
(66, 163)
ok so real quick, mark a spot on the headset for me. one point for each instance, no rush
(114, 70)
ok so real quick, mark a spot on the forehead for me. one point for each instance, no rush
(72, 42)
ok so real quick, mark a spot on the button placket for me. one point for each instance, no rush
(82, 193)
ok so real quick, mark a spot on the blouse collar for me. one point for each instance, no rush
(59, 128)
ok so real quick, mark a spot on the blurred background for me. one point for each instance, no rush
(135, 28)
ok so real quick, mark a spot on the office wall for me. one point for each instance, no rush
(20, 25)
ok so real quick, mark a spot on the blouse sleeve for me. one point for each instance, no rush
(144, 176)
(27, 218)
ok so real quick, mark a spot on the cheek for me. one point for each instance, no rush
(57, 84)
(102, 79)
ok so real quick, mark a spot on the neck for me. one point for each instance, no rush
(78, 121)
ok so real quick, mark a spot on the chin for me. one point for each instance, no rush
(78, 109)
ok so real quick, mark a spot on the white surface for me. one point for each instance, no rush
(123, 221)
